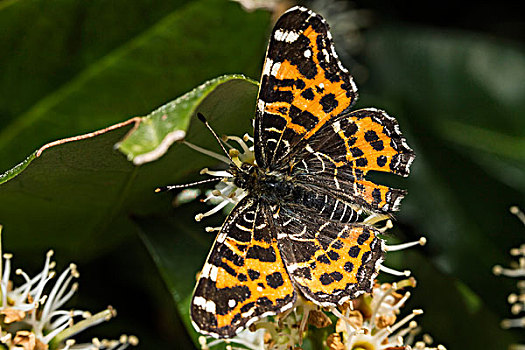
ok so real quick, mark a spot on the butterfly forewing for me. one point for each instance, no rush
(244, 277)
(303, 85)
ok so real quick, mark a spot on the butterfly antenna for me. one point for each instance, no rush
(191, 184)
(202, 118)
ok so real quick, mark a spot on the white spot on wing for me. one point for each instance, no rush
(210, 307)
(231, 303)
(285, 35)
(336, 126)
(221, 237)
(199, 301)
(354, 87)
(242, 228)
(260, 105)
(326, 55)
(275, 69)
(248, 313)
(308, 54)
(206, 270)
(267, 66)
(341, 67)
(213, 273)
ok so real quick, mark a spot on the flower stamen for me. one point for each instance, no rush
(396, 247)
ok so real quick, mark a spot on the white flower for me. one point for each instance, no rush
(370, 322)
(33, 315)
(225, 192)
(517, 270)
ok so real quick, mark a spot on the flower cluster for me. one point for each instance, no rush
(371, 321)
(31, 314)
(368, 322)
(516, 270)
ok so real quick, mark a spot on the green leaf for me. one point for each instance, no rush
(51, 42)
(167, 124)
(76, 194)
(187, 46)
(178, 249)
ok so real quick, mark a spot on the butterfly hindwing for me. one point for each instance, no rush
(329, 261)
(337, 158)
(244, 277)
(303, 85)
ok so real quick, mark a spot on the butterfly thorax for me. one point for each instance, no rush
(274, 187)
(281, 189)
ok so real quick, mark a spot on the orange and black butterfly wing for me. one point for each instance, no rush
(336, 159)
(244, 277)
(303, 86)
(329, 261)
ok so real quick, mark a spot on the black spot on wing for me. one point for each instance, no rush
(308, 94)
(363, 237)
(272, 93)
(253, 274)
(349, 267)
(337, 244)
(303, 272)
(349, 127)
(356, 152)
(333, 255)
(261, 253)
(323, 259)
(374, 141)
(303, 118)
(361, 162)
(328, 278)
(381, 160)
(328, 102)
(264, 302)
(275, 280)
(247, 307)
(353, 252)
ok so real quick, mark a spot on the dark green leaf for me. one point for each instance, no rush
(188, 46)
(45, 44)
(77, 194)
(178, 249)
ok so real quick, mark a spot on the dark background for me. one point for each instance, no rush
(422, 62)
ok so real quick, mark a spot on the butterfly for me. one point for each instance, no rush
(296, 231)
